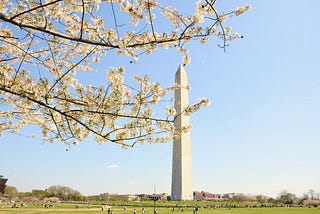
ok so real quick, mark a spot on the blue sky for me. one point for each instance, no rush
(260, 135)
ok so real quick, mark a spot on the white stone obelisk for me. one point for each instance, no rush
(181, 187)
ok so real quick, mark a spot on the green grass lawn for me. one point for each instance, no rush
(149, 210)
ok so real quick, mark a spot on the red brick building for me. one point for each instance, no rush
(3, 182)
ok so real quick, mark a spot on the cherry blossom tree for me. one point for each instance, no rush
(44, 44)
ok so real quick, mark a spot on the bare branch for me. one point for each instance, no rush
(151, 22)
(82, 20)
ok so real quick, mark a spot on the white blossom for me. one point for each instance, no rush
(170, 111)
(186, 60)
(241, 9)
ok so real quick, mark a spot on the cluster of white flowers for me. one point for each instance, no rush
(170, 111)
(57, 39)
(195, 107)
(242, 9)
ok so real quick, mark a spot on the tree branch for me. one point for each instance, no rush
(35, 8)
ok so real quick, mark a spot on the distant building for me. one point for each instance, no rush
(157, 197)
(104, 196)
(3, 182)
(126, 197)
(134, 198)
(207, 196)
(199, 196)
(51, 200)
(29, 199)
(310, 203)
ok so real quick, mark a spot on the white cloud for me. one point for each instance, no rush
(112, 166)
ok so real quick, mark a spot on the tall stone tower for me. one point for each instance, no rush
(181, 187)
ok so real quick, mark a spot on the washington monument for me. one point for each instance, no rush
(181, 187)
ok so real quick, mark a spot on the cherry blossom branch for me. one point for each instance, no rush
(35, 8)
(45, 46)
(67, 116)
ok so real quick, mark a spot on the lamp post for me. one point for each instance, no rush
(154, 200)
(154, 205)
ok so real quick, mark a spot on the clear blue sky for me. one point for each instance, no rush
(260, 135)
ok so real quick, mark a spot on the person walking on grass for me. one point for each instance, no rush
(196, 210)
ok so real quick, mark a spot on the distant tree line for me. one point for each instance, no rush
(62, 192)
(286, 198)
(65, 193)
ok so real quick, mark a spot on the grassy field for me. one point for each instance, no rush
(119, 210)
